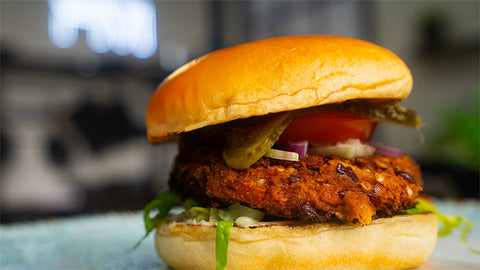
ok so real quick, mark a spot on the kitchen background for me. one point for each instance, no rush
(76, 77)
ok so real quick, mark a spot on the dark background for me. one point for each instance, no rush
(72, 120)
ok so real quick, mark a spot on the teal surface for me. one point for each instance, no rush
(104, 242)
(85, 242)
(450, 249)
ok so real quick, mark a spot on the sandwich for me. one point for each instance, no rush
(276, 169)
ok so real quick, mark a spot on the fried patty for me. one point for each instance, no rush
(316, 188)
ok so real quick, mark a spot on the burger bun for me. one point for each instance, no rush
(399, 242)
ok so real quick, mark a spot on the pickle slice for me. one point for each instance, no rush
(374, 110)
(247, 143)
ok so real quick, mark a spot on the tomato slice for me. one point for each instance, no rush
(328, 127)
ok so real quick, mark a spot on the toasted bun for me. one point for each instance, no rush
(273, 75)
(399, 242)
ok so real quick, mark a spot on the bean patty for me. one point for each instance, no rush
(316, 188)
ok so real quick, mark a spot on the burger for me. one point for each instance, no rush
(275, 166)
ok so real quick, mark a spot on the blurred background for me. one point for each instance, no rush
(76, 77)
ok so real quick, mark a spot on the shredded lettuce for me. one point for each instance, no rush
(225, 219)
(233, 212)
(158, 209)
(213, 215)
(161, 205)
(221, 243)
(449, 222)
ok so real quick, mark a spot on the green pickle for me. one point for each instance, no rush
(382, 112)
(247, 144)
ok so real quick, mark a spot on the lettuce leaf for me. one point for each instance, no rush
(449, 222)
(221, 243)
(161, 205)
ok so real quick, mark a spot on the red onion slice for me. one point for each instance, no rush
(387, 151)
(298, 147)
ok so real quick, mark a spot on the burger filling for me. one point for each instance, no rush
(247, 140)
(312, 165)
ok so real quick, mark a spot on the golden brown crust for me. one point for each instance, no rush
(273, 75)
(399, 242)
(316, 188)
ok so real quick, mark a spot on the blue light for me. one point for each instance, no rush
(122, 26)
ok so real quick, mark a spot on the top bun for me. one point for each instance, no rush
(273, 75)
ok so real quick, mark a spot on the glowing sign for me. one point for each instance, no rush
(122, 26)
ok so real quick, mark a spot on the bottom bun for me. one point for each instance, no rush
(400, 242)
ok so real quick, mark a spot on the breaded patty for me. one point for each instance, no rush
(316, 188)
